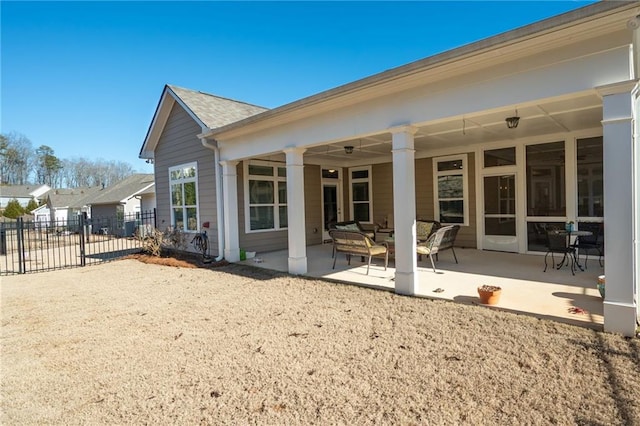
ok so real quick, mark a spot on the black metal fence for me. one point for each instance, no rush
(36, 246)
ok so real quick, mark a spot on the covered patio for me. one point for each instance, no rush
(507, 137)
(526, 289)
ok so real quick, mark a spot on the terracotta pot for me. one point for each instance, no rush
(489, 295)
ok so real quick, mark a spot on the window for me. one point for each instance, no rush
(266, 187)
(184, 196)
(500, 157)
(546, 180)
(451, 189)
(590, 180)
(360, 194)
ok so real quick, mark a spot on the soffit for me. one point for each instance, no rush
(574, 114)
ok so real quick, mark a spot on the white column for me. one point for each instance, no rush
(295, 211)
(230, 196)
(404, 209)
(620, 217)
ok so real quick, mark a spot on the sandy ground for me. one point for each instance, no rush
(133, 343)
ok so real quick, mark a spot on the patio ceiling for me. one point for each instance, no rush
(537, 119)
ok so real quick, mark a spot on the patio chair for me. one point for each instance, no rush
(591, 242)
(353, 225)
(425, 228)
(442, 239)
(560, 242)
(359, 244)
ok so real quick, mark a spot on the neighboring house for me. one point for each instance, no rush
(63, 205)
(528, 129)
(22, 193)
(123, 197)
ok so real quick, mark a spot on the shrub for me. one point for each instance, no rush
(13, 209)
(154, 240)
(33, 204)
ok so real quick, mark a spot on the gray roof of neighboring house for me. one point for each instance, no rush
(18, 191)
(123, 190)
(72, 197)
(214, 111)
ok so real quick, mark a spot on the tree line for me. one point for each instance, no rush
(21, 164)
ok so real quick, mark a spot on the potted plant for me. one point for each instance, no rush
(489, 294)
(600, 285)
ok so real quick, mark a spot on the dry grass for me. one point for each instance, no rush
(132, 343)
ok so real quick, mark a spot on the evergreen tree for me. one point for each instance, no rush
(33, 204)
(13, 209)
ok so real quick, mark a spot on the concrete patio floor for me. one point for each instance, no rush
(526, 289)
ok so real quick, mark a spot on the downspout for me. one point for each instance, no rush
(219, 210)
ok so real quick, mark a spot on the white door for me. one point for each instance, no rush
(331, 199)
(500, 213)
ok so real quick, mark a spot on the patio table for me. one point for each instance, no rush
(577, 234)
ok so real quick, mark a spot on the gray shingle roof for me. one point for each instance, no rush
(18, 191)
(215, 111)
(72, 197)
(122, 190)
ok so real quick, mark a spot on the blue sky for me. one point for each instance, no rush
(85, 77)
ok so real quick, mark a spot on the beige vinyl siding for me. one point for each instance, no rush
(178, 145)
(313, 204)
(382, 187)
(279, 240)
(424, 188)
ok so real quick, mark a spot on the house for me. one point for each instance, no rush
(124, 197)
(117, 209)
(506, 136)
(22, 193)
(63, 205)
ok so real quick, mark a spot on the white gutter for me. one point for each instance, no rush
(219, 210)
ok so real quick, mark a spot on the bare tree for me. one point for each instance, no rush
(17, 157)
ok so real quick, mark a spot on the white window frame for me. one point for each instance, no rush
(465, 185)
(369, 180)
(277, 203)
(183, 180)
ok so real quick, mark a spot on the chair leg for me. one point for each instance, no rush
(573, 264)
(368, 264)
(586, 258)
(432, 264)
(454, 254)
(545, 261)
(335, 257)
(386, 260)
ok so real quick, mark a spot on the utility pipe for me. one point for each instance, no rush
(219, 210)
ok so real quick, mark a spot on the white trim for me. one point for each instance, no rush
(369, 180)
(465, 185)
(276, 199)
(339, 189)
(182, 181)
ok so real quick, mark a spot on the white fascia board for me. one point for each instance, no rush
(431, 103)
(124, 200)
(158, 122)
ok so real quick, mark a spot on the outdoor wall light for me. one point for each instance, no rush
(348, 149)
(512, 122)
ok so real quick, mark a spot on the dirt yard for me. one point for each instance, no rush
(134, 343)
